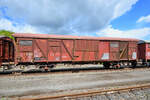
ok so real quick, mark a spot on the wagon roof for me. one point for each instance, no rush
(2, 36)
(143, 41)
(29, 35)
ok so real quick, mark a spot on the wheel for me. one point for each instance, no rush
(22, 67)
(5, 68)
(148, 64)
(51, 66)
(106, 65)
(134, 63)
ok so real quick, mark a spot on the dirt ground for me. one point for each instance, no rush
(29, 85)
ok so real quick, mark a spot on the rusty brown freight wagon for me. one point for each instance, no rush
(6, 50)
(48, 50)
(144, 52)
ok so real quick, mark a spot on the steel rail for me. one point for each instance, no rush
(89, 93)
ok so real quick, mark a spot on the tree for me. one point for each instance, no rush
(7, 34)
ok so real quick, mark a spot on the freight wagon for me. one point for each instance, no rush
(45, 51)
(6, 50)
(144, 52)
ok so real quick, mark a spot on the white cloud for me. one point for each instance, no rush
(8, 25)
(67, 16)
(144, 19)
(123, 6)
(134, 33)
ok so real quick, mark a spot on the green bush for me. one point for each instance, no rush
(7, 33)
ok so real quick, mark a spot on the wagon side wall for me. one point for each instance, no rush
(144, 51)
(147, 51)
(42, 50)
(132, 50)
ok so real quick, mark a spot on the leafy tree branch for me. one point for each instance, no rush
(7, 34)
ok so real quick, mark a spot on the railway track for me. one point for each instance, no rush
(70, 70)
(89, 93)
(75, 91)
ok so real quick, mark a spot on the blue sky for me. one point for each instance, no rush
(104, 18)
(128, 20)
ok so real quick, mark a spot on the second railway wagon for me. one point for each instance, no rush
(144, 52)
(6, 50)
(45, 50)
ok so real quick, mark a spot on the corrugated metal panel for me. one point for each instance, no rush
(40, 50)
(67, 50)
(54, 54)
(114, 51)
(104, 50)
(132, 51)
(80, 45)
(24, 52)
(92, 46)
(86, 50)
(54, 51)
